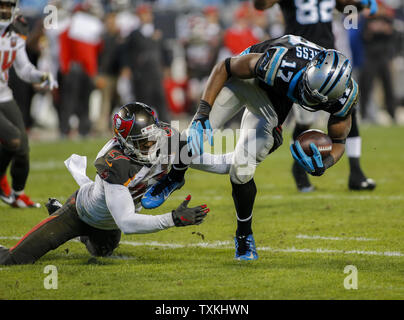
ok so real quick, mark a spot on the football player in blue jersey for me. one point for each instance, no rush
(266, 81)
(312, 19)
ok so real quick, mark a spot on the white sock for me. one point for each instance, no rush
(18, 193)
(353, 147)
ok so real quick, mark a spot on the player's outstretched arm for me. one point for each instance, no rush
(122, 209)
(338, 130)
(241, 67)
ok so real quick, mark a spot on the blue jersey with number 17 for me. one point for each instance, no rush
(281, 68)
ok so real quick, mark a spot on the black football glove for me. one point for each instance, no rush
(184, 216)
(53, 205)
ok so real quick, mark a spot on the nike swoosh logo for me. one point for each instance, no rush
(108, 163)
(249, 257)
(8, 200)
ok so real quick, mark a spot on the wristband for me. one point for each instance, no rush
(204, 108)
(340, 141)
(228, 67)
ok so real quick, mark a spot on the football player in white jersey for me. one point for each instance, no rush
(131, 162)
(14, 149)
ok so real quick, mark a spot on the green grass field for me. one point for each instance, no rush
(304, 241)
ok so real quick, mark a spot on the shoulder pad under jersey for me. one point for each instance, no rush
(116, 168)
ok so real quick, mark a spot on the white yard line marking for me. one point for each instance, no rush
(305, 236)
(211, 245)
(299, 197)
(229, 246)
(121, 258)
(225, 245)
(325, 251)
(10, 238)
(47, 165)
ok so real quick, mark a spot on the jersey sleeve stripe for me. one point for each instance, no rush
(246, 51)
(274, 65)
(351, 101)
(293, 84)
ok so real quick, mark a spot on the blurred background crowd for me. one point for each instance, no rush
(105, 53)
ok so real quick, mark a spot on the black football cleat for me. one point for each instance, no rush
(359, 185)
(301, 179)
(53, 205)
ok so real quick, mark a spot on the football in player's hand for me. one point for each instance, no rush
(319, 138)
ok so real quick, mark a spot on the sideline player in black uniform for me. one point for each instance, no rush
(100, 210)
(312, 19)
(266, 80)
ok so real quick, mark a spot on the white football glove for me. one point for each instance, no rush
(49, 82)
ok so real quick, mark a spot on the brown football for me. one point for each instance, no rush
(319, 138)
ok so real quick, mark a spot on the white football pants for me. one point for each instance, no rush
(255, 139)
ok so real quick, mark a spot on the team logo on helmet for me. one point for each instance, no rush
(123, 127)
(118, 123)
